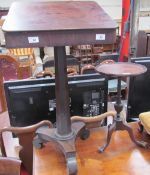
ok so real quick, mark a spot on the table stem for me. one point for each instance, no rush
(63, 122)
(118, 106)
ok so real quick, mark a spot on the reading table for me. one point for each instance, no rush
(58, 24)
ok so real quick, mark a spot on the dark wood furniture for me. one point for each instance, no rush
(6, 59)
(130, 160)
(142, 44)
(71, 62)
(88, 69)
(121, 157)
(26, 59)
(25, 136)
(120, 70)
(38, 24)
(93, 122)
(44, 73)
(71, 71)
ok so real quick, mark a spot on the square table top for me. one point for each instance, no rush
(80, 22)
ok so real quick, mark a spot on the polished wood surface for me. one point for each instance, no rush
(122, 157)
(121, 69)
(9, 166)
(45, 16)
(57, 24)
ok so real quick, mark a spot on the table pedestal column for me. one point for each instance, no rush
(64, 134)
(119, 124)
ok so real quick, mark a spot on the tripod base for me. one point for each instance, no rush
(121, 125)
(66, 144)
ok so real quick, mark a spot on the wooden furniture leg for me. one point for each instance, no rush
(65, 134)
(25, 135)
(120, 125)
(111, 129)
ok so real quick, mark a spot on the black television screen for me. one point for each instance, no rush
(30, 101)
(139, 91)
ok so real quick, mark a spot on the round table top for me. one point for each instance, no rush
(121, 69)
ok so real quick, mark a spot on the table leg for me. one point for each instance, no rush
(62, 93)
(111, 129)
(119, 124)
(64, 134)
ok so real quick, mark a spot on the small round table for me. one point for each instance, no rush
(120, 70)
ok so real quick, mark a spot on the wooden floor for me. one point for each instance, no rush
(122, 157)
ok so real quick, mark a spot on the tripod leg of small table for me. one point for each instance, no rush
(111, 129)
(130, 131)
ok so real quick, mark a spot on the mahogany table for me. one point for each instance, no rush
(120, 70)
(39, 24)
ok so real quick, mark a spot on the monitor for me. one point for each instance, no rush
(32, 100)
(139, 91)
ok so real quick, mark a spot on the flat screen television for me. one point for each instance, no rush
(30, 101)
(139, 91)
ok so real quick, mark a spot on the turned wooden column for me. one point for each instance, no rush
(63, 121)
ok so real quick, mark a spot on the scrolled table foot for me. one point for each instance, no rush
(138, 143)
(71, 163)
(66, 145)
